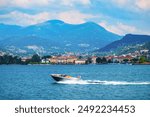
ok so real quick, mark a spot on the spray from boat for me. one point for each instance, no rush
(66, 79)
(100, 82)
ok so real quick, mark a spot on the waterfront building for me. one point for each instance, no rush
(93, 58)
(80, 61)
(24, 59)
(63, 60)
(45, 61)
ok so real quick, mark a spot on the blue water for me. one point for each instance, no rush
(99, 82)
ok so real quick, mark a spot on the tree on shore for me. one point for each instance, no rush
(110, 61)
(142, 59)
(101, 60)
(98, 60)
(125, 60)
(89, 60)
(45, 57)
(35, 58)
(104, 60)
(9, 59)
(134, 60)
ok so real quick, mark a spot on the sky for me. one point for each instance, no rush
(117, 16)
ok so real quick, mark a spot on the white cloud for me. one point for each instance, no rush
(120, 28)
(24, 19)
(72, 2)
(133, 4)
(3, 3)
(29, 3)
(24, 3)
(140, 4)
(40, 3)
(74, 17)
(129, 5)
(143, 4)
(120, 2)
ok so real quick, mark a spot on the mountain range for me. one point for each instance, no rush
(127, 42)
(54, 36)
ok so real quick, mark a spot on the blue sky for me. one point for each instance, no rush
(118, 16)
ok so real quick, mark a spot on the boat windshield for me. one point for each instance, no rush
(63, 75)
(66, 76)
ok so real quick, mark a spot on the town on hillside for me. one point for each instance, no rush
(137, 57)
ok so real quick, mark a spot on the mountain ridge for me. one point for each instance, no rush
(127, 40)
(54, 34)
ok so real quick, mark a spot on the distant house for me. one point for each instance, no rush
(94, 59)
(63, 60)
(80, 61)
(53, 60)
(71, 59)
(121, 58)
(148, 55)
(110, 58)
(2, 53)
(144, 51)
(45, 61)
(24, 59)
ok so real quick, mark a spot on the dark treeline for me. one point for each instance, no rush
(102, 60)
(9, 59)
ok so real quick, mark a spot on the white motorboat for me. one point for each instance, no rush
(63, 77)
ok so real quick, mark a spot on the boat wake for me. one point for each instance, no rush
(103, 82)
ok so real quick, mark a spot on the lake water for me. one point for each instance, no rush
(99, 82)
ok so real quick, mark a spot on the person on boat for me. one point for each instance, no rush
(68, 76)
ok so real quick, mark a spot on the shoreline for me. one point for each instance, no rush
(85, 64)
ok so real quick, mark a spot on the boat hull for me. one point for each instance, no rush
(58, 78)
